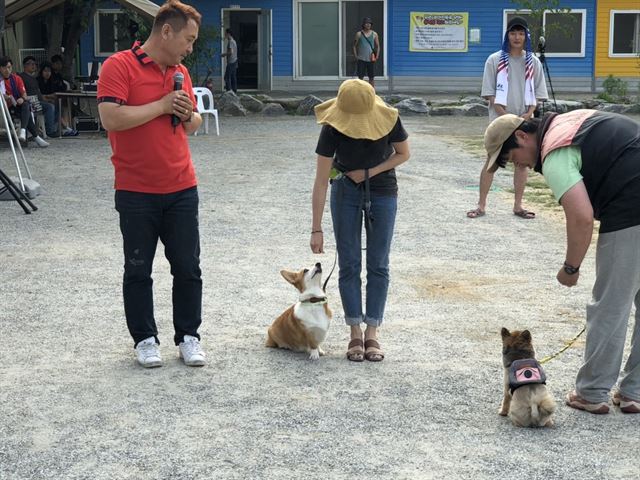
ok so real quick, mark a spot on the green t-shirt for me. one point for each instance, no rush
(561, 170)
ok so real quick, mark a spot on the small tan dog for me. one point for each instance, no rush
(526, 399)
(304, 325)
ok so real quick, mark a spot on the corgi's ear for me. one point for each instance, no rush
(289, 276)
(526, 335)
(504, 332)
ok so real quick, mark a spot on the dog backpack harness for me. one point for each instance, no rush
(525, 372)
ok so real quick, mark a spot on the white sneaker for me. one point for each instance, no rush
(191, 352)
(42, 143)
(148, 353)
(22, 136)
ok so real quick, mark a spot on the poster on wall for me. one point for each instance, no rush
(438, 32)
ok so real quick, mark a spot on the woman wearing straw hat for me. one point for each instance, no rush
(361, 143)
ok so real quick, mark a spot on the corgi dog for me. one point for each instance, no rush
(526, 401)
(304, 325)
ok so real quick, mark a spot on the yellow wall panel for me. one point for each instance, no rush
(605, 65)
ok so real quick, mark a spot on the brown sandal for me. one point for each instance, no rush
(355, 350)
(373, 352)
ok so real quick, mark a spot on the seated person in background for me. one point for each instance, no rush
(57, 63)
(15, 96)
(49, 86)
(28, 76)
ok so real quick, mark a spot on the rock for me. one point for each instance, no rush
(592, 103)
(395, 98)
(619, 108)
(289, 104)
(306, 105)
(472, 99)
(474, 110)
(229, 104)
(564, 106)
(251, 103)
(633, 109)
(273, 110)
(413, 106)
(443, 102)
(440, 111)
(234, 110)
(263, 98)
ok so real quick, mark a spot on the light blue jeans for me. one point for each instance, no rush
(347, 200)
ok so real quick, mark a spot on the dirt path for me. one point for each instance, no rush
(76, 406)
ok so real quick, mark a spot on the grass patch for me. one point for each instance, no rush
(473, 144)
(538, 192)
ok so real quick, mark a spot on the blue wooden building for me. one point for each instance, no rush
(427, 46)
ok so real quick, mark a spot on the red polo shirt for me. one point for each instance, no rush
(19, 83)
(149, 158)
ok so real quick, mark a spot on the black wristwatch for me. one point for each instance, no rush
(570, 269)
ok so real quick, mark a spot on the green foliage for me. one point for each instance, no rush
(82, 7)
(615, 90)
(535, 16)
(204, 50)
(133, 26)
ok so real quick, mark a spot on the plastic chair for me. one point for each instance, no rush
(200, 93)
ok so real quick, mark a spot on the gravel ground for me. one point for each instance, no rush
(76, 406)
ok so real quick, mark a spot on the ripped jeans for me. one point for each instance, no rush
(173, 219)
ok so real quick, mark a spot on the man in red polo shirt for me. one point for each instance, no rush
(156, 193)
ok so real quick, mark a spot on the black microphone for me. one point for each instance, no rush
(178, 78)
(541, 43)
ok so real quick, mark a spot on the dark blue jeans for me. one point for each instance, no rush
(50, 119)
(172, 218)
(346, 213)
(231, 77)
(23, 112)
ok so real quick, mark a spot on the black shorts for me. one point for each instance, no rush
(364, 68)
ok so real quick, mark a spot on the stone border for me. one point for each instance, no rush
(230, 104)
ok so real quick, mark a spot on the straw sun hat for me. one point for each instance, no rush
(357, 112)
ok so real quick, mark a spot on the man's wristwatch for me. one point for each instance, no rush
(570, 269)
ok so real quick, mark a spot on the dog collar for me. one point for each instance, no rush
(314, 301)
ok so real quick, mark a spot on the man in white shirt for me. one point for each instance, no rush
(513, 82)
(231, 72)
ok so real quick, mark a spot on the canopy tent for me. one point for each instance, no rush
(16, 10)
(143, 7)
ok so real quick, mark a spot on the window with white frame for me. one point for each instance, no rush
(326, 30)
(564, 32)
(110, 36)
(624, 33)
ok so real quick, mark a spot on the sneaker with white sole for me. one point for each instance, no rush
(576, 401)
(42, 143)
(191, 352)
(148, 353)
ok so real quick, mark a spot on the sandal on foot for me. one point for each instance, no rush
(526, 214)
(576, 401)
(476, 213)
(372, 351)
(355, 350)
(626, 404)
